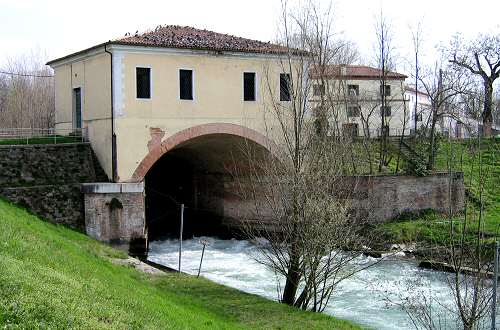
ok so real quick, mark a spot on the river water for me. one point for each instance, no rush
(361, 298)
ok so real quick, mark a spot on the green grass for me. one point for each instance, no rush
(462, 156)
(42, 140)
(465, 156)
(429, 228)
(54, 278)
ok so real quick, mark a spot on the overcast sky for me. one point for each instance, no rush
(60, 27)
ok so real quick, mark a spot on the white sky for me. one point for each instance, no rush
(60, 27)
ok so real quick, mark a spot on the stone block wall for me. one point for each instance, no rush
(48, 164)
(62, 204)
(115, 213)
(46, 179)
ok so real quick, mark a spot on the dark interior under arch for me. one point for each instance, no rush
(199, 174)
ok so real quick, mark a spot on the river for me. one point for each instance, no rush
(360, 298)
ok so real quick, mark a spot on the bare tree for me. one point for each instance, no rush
(417, 40)
(384, 59)
(368, 109)
(442, 87)
(481, 57)
(300, 217)
(27, 93)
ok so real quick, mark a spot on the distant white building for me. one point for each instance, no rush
(457, 125)
(355, 92)
(419, 117)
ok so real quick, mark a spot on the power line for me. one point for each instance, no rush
(26, 75)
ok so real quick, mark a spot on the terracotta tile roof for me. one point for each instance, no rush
(353, 72)
(173, 36)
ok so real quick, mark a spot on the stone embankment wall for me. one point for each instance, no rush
(46, 179)
(381, 198)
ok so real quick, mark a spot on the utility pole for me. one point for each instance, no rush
(495, 285)
(180, 236)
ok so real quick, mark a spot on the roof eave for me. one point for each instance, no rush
(208, 49)
(81, 52)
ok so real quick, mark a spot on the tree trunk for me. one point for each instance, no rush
(292, 281)
(432, 142)
(488, 106)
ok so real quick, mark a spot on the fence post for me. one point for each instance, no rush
(495, 285)
(180, 236)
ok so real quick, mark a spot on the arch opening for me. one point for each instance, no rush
(201, 173)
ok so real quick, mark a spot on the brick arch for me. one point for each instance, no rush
(193, 132)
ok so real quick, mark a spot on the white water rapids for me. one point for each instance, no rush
(359, 298)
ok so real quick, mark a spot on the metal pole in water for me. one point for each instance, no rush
(180, 236)
(202, 253)
(495, 285)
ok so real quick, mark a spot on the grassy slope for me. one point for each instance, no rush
(52, 277)
(430, 227)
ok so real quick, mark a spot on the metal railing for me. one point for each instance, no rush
(377, 132)
(9, 136)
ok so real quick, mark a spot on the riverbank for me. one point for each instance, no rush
(53, 277)
(430, 230)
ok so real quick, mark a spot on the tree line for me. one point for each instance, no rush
(27, 98)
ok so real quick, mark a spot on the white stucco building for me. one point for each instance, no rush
(357, 99)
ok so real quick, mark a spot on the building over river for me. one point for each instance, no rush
(170, 113)
(167, 108)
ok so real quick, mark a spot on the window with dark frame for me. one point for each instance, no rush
(318, 89)
(419, 117)
(353, 90)
(143, 82)
(385, 90)
(248, 86)
(77, 108)
(285, 86)
(385, 110)
(186, 84)
(353, 111)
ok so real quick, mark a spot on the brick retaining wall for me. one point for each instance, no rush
(372, 199)
(381, 198)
